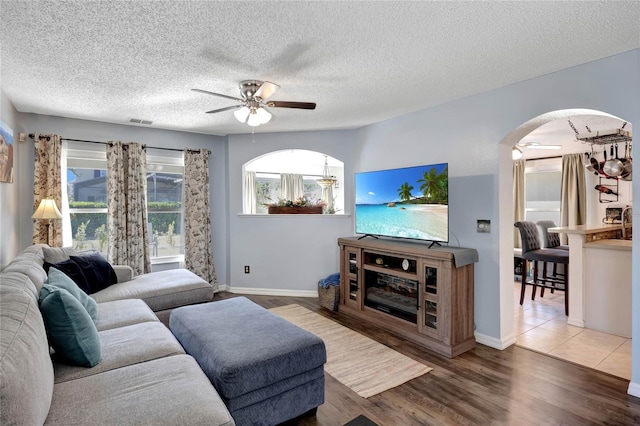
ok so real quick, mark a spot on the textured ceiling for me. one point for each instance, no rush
(361, 62)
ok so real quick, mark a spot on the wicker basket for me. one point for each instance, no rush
(329, 297)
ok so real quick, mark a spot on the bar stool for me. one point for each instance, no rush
(550, 240)
(532, 252)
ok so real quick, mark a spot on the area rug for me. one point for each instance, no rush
(358, 362)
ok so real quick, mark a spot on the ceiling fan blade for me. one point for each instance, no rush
(218, 94)
(267, 89)
(223, 109)
(287, 104)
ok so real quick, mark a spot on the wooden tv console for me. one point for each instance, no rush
(411, 290)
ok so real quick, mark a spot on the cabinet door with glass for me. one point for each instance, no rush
(351, 287)
(430, 313)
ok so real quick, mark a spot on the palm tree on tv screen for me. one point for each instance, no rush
(434, 186)
(404, 192)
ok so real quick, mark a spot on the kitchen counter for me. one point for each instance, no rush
(586, 229)
(611, 244)
(599, 278)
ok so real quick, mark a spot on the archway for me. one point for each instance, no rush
(505, 197)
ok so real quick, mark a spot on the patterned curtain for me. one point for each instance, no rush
(198, 249)
(518, 198)
(46, 184)
(127, 206)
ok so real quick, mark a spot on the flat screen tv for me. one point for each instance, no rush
(411, 202)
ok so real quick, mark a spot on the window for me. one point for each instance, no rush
(543, 183)
(87, 193)
(269, 168)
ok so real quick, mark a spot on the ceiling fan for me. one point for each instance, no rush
(251, 107)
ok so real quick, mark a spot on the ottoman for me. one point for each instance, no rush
(266, 369)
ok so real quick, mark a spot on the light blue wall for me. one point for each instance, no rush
(289, 253)
(10, 192)
(96, 131)
(467, 134)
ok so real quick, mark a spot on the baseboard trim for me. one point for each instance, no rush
(492, 342)
(271, 292)
(634, 389)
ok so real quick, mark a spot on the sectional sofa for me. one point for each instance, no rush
(143, 377)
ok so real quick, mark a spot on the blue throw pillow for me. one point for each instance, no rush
(98, 272)
(71, 330)
(60, 279)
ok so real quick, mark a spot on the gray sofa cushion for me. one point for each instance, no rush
(170, 391)
(26, 372)
(125, 346)
(57, 254)
(161, 290)
(120, 313)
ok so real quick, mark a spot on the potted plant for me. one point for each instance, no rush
(301, 205)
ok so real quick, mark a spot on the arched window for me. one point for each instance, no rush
(290, 174)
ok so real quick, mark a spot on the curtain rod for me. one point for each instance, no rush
(543, 158)
(33, 136)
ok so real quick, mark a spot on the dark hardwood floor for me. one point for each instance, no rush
(484, 386)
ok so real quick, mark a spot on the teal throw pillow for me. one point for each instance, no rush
(71, 330)
(60, 279)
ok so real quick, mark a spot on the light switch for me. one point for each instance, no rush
(484, 225)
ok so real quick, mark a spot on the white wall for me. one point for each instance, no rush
(286, 253)
(96, 131)
(9, 192)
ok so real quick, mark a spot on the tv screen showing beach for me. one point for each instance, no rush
(411, 202)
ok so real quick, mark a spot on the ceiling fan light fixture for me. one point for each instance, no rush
(242, 114)
(263, 115)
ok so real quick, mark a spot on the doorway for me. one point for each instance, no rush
(543, 319)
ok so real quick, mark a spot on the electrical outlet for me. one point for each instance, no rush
(246, 269)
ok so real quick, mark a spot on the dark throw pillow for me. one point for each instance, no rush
(97, 271)
(73, 271)
(69, 326)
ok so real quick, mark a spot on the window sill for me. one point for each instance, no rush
(167, 259)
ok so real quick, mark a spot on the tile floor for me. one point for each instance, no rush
(542, 326)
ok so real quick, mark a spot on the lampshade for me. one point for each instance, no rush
(242, 114)
(258, 116)
(47, 210)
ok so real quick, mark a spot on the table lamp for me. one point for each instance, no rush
(47, 210)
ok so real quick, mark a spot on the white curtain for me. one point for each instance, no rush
(198, 247)
(291, 186)
(250, 198)
(573, 203)
(127, 206)
(518, 198)
(327, 197)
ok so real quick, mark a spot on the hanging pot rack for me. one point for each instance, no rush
(604, 137)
